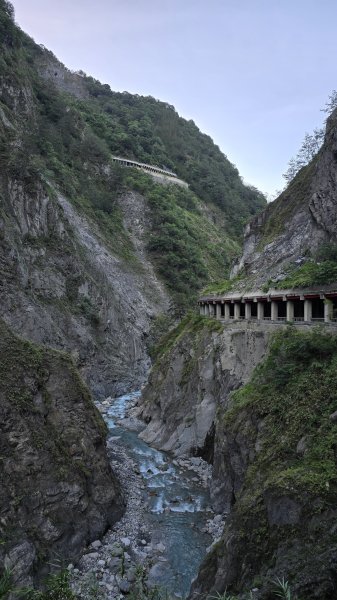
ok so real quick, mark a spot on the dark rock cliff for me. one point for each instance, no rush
(57, 490)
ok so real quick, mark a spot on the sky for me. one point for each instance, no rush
(253, 74)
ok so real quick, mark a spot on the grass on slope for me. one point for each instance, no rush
(319, 270)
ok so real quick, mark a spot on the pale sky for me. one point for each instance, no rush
(253, 74)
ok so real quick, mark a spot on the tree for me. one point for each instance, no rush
(331, 104)
(9, 8)
(308, 150)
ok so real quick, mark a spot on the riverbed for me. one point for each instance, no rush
(168, 506)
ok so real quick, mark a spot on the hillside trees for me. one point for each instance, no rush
(311, 143)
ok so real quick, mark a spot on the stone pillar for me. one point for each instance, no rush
(218, 311)
(274, 310)
(236, 310)
(328, 306)
(307, 311)
(248, 310)
(206, 310)
(227, 312)
(201, 309)
(290, 310)
(260, 311)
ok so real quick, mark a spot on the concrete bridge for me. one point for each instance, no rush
(162, 175)
(309, 306)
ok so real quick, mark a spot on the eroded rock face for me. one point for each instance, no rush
(62, 286)
(57, 490)
(298, 222)
(187, 386)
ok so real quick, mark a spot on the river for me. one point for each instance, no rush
(176, 504)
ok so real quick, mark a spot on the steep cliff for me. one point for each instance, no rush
(57, 490)
(293, 228)
(276, 455)
(197, 365)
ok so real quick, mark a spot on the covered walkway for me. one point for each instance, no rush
(288, 306)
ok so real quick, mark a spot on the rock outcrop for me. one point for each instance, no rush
(62, 286)
(192, 379)
(57, 490)
(295, 225)
(275, 454)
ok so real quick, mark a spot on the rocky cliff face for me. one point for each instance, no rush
(57, 491)
(62, 286)
(295, 225)
(276, 459)
(192, 379)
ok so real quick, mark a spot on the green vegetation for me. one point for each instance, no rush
(5, 584)
(282, 588)
(221, 287)
(293, 391)
(186, 248)
(63, 140)
(57, 587)
(319, 270)
(308, 274)
(190, 324)
(151, 131)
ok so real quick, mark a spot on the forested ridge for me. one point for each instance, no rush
(62, 139)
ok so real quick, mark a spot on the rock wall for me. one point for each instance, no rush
(273, 475)
(298, 222)
(63, 286)
(189, 383)
(276, 462)
(57, 490)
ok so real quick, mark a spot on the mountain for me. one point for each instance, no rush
(95, 260)
(91, 253)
